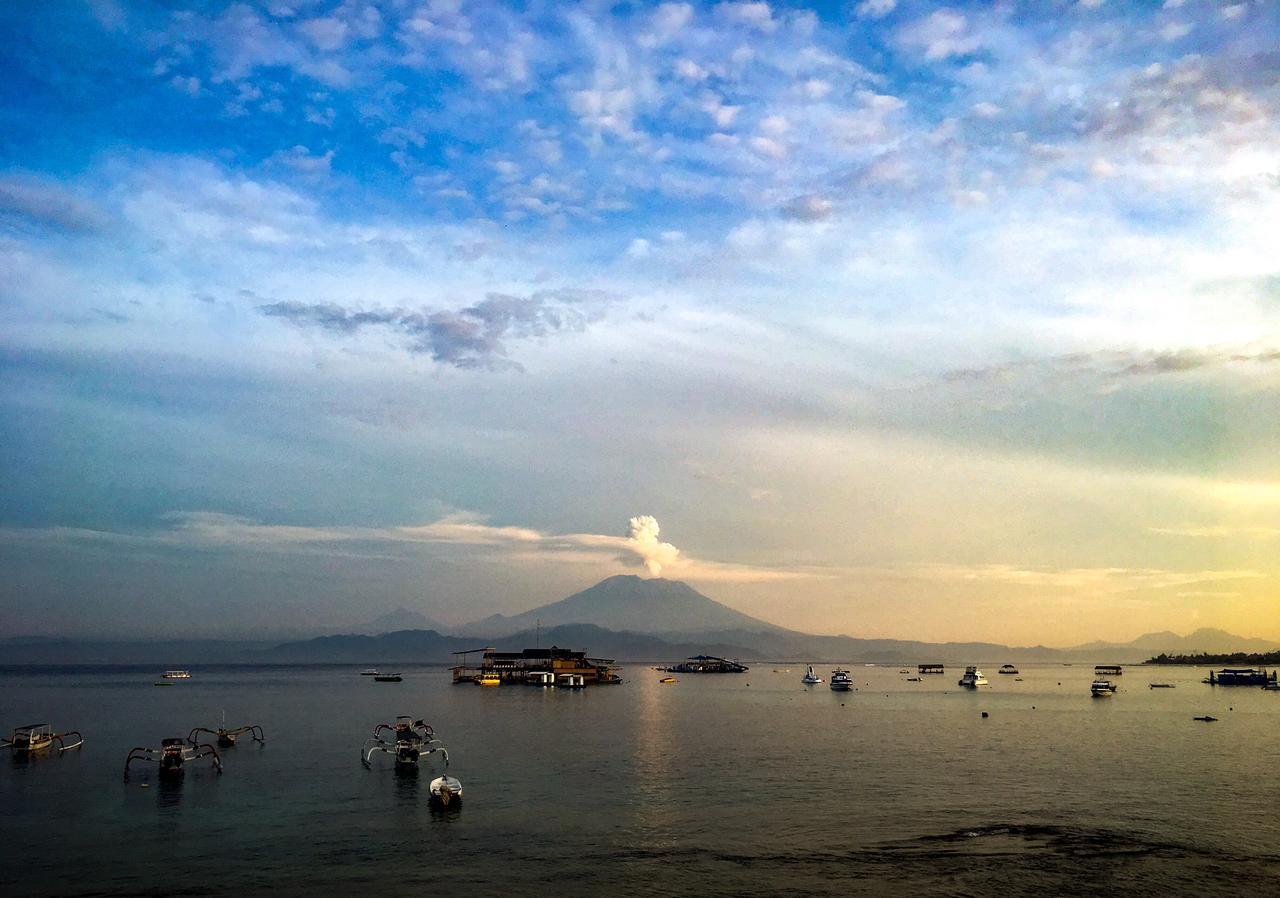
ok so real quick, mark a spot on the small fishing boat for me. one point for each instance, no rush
(36, 737)
(1161, 686)
(1206, 718)
(668, 680)
(369, 672)
(489, 679)
(841, 681)
(446, 791)
(1102, 688)
(176, 675)
(972, 678)
(810, 678)
(387, 678)
(913, 679)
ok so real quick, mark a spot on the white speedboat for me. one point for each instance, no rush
(810, 678)
(176, 675)
(972, 678)
(840, 681)
(1102, 688)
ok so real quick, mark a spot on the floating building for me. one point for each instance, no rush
(534, 667)
(1241, 676)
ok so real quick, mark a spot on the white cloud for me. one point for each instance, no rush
(876, 9)
(942, 34)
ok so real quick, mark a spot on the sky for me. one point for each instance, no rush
(892, 319)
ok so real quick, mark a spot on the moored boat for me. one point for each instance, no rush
(176, 675)
(388, 678)
(369, 672)
(810, 678)
(1102, 688)
(972, 678)
(1007, 669)
(841, 681)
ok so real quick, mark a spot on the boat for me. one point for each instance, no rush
(571, 681)
(810, 678)
(369, 672)
(1206, 718)
(841, 681)
(1107, 670)
(176, 675)
(930, 668)
(972, 678)
(1161, 686)
(445, 791)
(1241, 676)
(388, 678)
(904, 670)
(544, 678)
(1102, 688)
(706, 664)
(1271, 687)
(668, 680)
(1007, 669)
(913, 679)
(36, 737)
(489, 680)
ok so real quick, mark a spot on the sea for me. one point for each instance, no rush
(733, 784)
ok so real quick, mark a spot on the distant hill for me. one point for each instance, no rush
(1203, 640)
(632, 604)
(399, 619)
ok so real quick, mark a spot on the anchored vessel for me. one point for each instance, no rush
(1242, 676)
(387, 678)
(1102, 688)
(37, 737)
(810, 678)
(369, 672)
(1108, 670)
(1007, 669)
(227, 738)
(409, 741)
(840, 681)
(707, 664)
(530, 666)
(930, 668)
(972, 678)
(176, 675)
(172, 755)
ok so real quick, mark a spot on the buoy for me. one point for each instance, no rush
(984, 715)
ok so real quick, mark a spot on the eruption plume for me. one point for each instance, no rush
(642, 539)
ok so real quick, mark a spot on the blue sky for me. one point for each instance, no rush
(881, 309)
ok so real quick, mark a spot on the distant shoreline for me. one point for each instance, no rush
(1250, 658)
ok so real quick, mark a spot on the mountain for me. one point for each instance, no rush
(1205, 639)
(399, 619)
(633, 604)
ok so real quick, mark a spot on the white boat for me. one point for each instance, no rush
(445, 791)
(571, 681)
(176, 675)
(972, 678)
(370, 672)
(1103, 688)
(810, 678)
(840, 681)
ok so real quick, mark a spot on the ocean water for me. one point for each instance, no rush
(746, 784)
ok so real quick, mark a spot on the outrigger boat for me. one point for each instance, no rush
(810, 678)
(227, 738)
(407, 739)
(172, 755)
(37, 737)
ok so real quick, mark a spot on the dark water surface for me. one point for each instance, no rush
(709, 786)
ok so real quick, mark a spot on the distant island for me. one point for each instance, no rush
(1250, 658)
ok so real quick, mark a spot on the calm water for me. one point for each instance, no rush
(709, 786)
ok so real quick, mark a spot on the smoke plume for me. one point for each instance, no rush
(642, 539)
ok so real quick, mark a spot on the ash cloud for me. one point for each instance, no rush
(643, 542)
(476, 336)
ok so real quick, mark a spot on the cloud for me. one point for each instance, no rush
(45, 202)
(942, 34)
(808, 208)
(876, 9)
(476, 336)
(205, 530)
